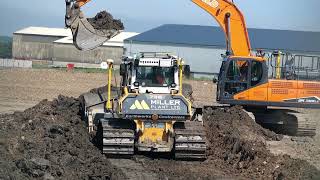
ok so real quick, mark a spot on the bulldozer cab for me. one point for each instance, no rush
(154, 73)
(156, 76)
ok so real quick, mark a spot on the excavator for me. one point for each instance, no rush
(243, 79)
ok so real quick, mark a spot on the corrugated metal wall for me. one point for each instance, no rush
(67, 52)
(33, 47)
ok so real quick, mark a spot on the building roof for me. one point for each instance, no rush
(44, 31)
(115, 41)
(195, 35)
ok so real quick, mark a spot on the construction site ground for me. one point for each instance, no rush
(49, 140)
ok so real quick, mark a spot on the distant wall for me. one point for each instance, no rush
(67, 52)
(12, 63)
(33, 46)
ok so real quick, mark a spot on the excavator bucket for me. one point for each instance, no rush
(85, 36)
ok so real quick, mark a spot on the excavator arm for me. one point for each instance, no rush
(232, 23)
(228, 16)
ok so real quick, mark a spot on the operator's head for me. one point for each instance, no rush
(159, 75)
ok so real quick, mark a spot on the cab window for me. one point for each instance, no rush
(236, 77)
(238, 71)
(155, 76)
(256, 72)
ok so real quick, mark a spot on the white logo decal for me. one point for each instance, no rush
(212, 3)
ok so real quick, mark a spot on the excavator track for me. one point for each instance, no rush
(305, 126)
(117, 137)
(287, 122)
(190, 141)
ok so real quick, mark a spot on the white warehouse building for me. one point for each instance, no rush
(55, 45)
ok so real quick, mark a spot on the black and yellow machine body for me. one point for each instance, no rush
(146, 121)
(155, 116)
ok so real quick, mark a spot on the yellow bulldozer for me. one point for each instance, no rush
(149, 112)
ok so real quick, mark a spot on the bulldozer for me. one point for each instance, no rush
(148, 113)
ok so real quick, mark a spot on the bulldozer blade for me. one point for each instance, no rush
(85, 37)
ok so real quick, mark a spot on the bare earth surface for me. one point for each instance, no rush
(23, 88)
(301, 147)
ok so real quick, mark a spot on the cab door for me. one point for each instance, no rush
(258, 90)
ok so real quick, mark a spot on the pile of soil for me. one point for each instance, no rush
(237, 150)
(49, 141)
(104, 21)
(241, 143)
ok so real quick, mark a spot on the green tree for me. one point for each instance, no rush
(5, 47)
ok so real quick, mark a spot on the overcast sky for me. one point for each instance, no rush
(141, 15)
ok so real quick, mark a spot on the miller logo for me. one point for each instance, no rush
(212, 3)
(140, 105)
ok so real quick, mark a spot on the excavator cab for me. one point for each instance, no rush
(240, 74)
(85, 36)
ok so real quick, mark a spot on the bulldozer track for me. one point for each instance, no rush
(117, 137)
(190, 141)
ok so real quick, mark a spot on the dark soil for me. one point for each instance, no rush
(104, 21)
(237, 140)
(49, 141)
(236, 150)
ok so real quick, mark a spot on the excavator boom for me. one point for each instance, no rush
(82, 2)
(232, 23)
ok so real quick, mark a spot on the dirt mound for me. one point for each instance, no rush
(104, 21)
(49, 141)
(236, 150)
(241, 143)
